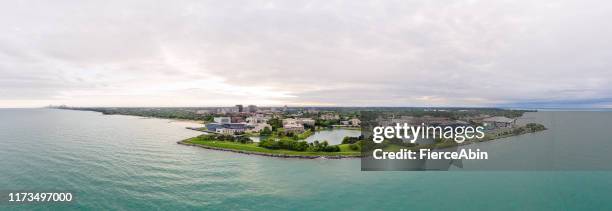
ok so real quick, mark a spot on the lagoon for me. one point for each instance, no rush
(332, 136)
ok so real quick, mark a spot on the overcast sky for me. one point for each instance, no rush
(322, 53)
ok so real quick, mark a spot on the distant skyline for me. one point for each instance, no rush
(306, 53)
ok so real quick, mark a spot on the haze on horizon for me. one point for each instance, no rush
(311, 53)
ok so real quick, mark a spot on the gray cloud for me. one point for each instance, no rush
(397, 53)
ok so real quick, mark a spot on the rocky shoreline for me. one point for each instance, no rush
(183, 142)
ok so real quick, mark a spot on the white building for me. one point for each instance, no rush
(229, 131)
(257, 119)
(300, 121)
(293, 128)
(259, 127)
(498, 122)
(223, 120)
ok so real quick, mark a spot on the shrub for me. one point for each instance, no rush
(243, 139)
(285, 143)
(332, 148)
(535, 127)
(518, 130)
(269, 144)
(266, 132)
(301, 146)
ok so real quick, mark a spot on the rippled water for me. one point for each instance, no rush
(125, 162)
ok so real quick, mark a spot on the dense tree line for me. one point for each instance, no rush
(223, 137)
(326, 123)
(275, 123)
(291, 144)
(535, 127)
(167, 113)
(351, 140)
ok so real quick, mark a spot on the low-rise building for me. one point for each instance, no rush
(257, 119)
(227, 128)
(213, 126)
(301, 121)
(259, 127)
(306, 121)
(293, 128)
(237, 119)
(222, 120)
(498, 122)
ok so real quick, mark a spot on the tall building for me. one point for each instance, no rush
(252, 108)
(240, 108)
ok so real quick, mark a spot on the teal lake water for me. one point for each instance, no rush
(126, 162)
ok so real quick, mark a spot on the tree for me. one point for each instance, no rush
(301, 146)
(266, 131)
(275, 123)
(269, 144)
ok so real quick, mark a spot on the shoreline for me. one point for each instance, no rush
(170, 120)
(184, 142)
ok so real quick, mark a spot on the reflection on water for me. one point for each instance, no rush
(333, 136)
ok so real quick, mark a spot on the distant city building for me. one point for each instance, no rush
(203, 112)
(252, 108)
(329, 116)
(240, 108)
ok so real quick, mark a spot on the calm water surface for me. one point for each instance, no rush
(333, 136)
(125, 162)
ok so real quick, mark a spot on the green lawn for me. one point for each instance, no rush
(252, 147)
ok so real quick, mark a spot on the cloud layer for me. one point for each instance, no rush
(344, 53)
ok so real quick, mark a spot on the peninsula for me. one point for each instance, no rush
(282, 131)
